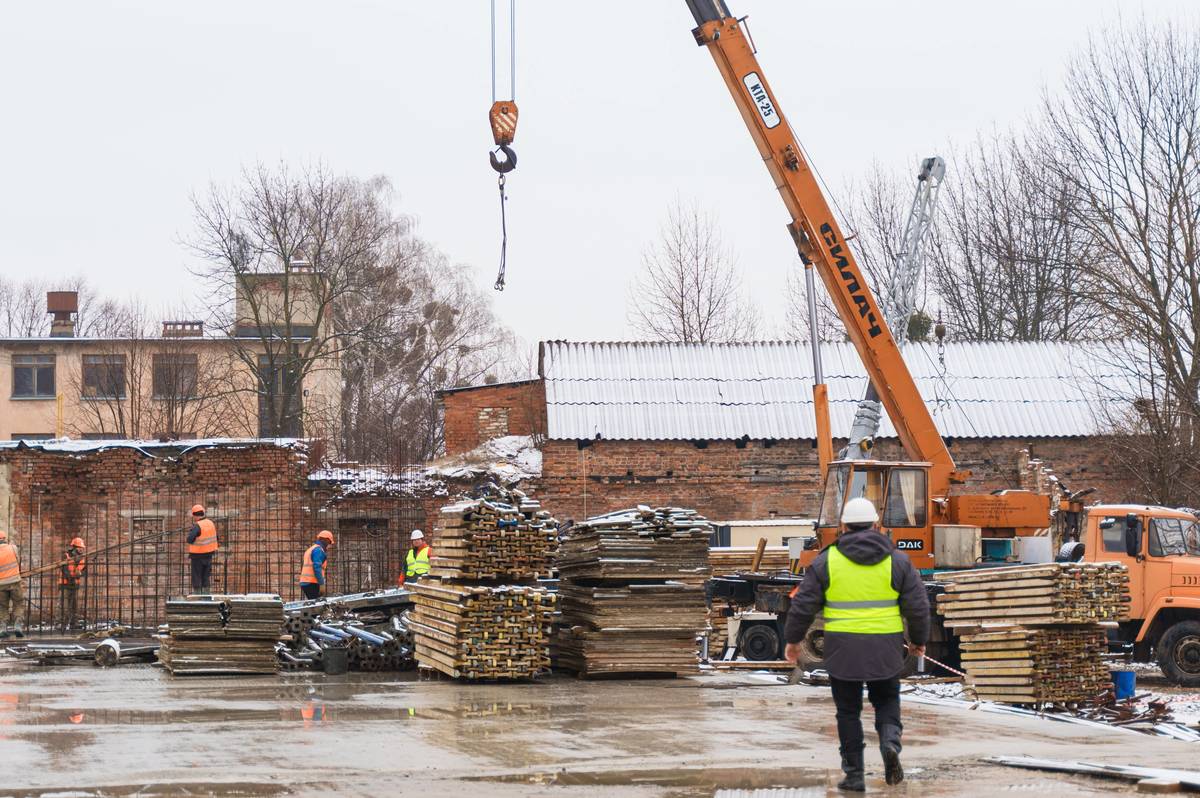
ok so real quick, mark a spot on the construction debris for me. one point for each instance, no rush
(483, 632)
(507, 536)
(1187, 779)
(737, 559)
(632, 595)
(1037, 665)
(207, 635)
(105, 654)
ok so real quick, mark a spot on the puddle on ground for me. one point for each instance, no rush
(678, 781)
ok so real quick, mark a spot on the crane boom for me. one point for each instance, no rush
(819, 238)
(902, 296)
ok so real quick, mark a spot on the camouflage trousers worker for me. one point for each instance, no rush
(12, 606)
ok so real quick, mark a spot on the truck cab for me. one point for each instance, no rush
(1161, 548)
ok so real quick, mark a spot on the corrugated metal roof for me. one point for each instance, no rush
(659, 391)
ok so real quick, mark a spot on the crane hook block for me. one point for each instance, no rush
(510, 159)
(503, 117)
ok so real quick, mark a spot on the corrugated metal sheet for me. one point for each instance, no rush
(656, 391)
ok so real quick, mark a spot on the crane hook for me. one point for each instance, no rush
(509, 162)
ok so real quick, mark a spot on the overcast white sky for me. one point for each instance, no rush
(115, 111)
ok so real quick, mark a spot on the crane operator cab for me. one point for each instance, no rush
(900, 493)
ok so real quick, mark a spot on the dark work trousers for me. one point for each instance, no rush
(310, 590)
(201, 572)
(847, 697)
(70, 606)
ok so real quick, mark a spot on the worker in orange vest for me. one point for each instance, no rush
(202, 545)
(71, 574)
(315, 570)
(11, 598)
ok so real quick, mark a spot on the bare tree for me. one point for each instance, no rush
(283, 252)
(1008, 258)
(1126, 138)
(689, 289)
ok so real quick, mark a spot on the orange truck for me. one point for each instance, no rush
(1161, 548)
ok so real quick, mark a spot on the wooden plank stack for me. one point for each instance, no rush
(483, 632)
(632, 592)
(1032, 666)
(480, 614)
(207, 635)
(504, 537)
(736, 559)
(1031, 634)
(1036, 594)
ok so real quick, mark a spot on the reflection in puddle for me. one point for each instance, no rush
(684, 781)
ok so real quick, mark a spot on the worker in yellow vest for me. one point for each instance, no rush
(202, 545)
(416, 562)
(865, 588)
(315, 570)
(12, 600)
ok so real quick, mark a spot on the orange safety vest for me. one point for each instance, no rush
(10, 569)
(74, 571)
(206, 542)
(308, 574)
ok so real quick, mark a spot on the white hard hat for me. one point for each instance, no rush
(859, 511)
(417, 535)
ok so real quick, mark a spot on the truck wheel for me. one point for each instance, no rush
(812, 652)
(1179, 653)
(759, 643)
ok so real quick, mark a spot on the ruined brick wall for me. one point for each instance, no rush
(475, 415)
(725, 482)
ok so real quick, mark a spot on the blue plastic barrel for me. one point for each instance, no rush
(1125, 684)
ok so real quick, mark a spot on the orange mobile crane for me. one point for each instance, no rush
(912, 497)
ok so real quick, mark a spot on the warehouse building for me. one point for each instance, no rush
(729, 428)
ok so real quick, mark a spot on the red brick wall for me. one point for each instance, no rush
(475, 415)
(724, 482)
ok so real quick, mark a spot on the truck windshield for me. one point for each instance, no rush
(1174, 537)
(835, 492)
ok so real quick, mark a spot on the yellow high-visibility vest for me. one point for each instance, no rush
(860, 599)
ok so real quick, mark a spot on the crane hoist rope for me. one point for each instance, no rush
(503, 119)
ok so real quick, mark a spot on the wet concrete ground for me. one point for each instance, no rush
(83, 731)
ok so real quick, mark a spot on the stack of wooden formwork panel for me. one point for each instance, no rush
(1032, 634)
(480, 613)
(632, 592)
(207, 635)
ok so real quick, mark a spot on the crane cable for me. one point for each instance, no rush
(503, 118)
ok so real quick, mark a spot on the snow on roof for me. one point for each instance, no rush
(663, 391)
(149, 448)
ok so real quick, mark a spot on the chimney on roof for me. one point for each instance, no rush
(64, 305)
(183, 329)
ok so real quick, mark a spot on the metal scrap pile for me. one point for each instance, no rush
(632, 592)
(1032, 634)
(371, 628)
(207, 635)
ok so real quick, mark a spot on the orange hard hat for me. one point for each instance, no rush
(325, 534)
(197, 509)
(78, 543)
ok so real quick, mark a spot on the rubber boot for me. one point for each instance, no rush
(18, 631)
(852, 766)
(889, 748)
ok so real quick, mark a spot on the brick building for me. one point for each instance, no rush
(729, 428)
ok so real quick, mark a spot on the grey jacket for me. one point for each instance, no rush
(855, 656)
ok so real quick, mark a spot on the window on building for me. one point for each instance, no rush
(175, 376)
(33, 376)
(280, 405)
(104, 376)
(32, 436)
(98, 436)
